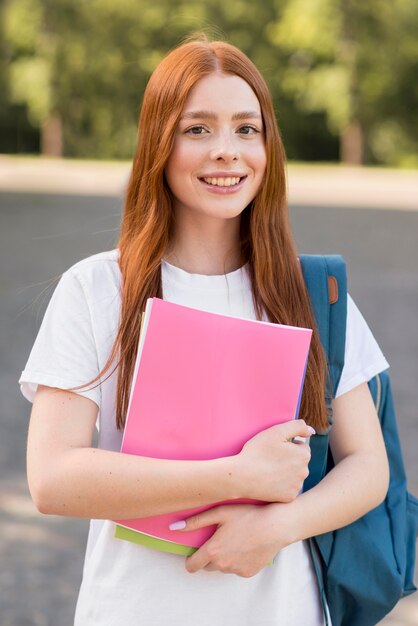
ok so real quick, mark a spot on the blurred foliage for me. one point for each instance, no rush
(355, 60)
(329, 64)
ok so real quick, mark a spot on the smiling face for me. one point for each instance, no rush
(218, 159)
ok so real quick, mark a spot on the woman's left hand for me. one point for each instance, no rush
(246, 540)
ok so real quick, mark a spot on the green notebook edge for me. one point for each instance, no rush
(156, 544)
(152, 542)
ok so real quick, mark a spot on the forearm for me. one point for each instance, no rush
(360, 478)
(68, 477)
(356, 485)
(248, 537)
(94, 483)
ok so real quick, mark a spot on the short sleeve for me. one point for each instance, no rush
(64, 354)
(363, 356)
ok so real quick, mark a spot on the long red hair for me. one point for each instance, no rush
(266, 241)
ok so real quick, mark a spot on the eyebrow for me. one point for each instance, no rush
(210, 115)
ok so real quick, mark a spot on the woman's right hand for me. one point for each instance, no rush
(272, 466)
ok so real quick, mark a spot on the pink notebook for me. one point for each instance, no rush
(203, 385)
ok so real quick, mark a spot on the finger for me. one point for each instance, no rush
(211, 568)
(206, 518)
(296, 428)
(198, 560)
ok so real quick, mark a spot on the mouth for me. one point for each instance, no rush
(224, 184)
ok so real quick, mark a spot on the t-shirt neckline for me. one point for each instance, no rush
(231, 280)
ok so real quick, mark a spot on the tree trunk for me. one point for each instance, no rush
(51, 137)
(352, 145)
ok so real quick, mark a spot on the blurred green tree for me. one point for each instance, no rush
(340, 71)
(79, 67)
(353, 60)
(24, 76)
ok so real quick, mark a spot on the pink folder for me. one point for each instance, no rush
(204, 384)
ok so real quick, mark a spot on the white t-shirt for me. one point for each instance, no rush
(124, 583)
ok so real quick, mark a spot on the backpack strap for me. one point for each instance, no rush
(326, 280)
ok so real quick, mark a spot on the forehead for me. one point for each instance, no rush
(220, 91)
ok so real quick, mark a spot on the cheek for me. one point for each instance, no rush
(182, 161)
(260, 161)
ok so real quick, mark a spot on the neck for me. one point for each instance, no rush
(212, 250)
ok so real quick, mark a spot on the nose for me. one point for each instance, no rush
(225, 148)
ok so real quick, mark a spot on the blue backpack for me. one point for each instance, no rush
(364, 568)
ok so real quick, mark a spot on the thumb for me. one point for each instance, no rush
(206, 518)
(296, 428)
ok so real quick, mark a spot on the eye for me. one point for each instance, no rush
(196, 130)
(248, 130)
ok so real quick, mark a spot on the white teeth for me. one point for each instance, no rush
(223, 182)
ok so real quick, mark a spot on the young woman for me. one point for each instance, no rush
(205, 225)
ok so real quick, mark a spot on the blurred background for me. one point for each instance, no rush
(343, 74)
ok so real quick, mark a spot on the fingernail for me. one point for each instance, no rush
(311, 430)
(178, 525)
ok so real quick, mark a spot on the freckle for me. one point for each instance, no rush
(229, 473)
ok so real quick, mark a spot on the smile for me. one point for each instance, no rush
(223, 182)
(224, 185)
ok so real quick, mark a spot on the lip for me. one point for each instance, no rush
(224, 175)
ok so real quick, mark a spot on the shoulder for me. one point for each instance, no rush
(101, 264)
(91, 287)
(97, 275)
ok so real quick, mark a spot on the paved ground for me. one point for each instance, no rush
(43, 232)
(324, 186)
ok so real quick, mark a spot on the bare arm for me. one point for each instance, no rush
(360, 478)
(68, 477)
(249, 537)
